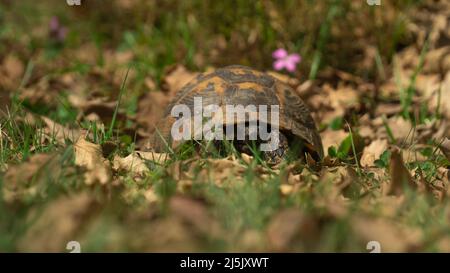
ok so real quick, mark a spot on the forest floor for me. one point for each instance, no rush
(73, 127)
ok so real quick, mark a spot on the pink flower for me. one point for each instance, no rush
(283, 60)
(57, 32)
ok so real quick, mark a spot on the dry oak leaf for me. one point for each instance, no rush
(331, 199)
(392, 237)
(384, 206)
(135, 162)
(289, 225)
(338, 101)
(195, 213)
(151, 108)
(220, 171)
(176, 77)
(332, 138)
(445, 147)
(13, 67)
(373, 152)
(428, 85)
(399, 174)
(401, 129)
(5, 103)
(99, 109)
(247, 158)
(286, 189)
(444, 94)
(164, 234)
(89, 156)
(11, 70)
(159, 158)
(131, 163)
(343, 97)
(24, 180)
(437, 60)
(45, 89)
(284, 227)
(59, 132)
(59, 223)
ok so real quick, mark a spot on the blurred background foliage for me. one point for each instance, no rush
(217, 33)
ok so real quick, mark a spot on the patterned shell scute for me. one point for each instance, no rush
(241, 74)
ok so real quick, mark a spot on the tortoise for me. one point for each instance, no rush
(241, 85)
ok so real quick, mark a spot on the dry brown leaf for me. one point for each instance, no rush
(135, 163)
(286, 189)
(117, 58)
(427, 85)
(168, 234)
(445, 148)
(384, 206)
(11, 71)
(24, 180)
(5, 103)
(373, 152)
(401, 129)
(444, 244)
(151, 108)
(343, 98)
(151, 196)
(365, 130)
(247, 158)
(437, 189)
(284, 227)
(400, 176)
(250, 240)
(404, 64)
(45, 89)
(387, 109)
(413, 154)
(99, 109)
(216, 170)
(389, 89)
(332, 138)
(337, 101)
(58, 224)
(13, 67)
(392, 237)
(176, 77)
(60, 132)
(87, 53)
(194, 213)
(132, 164)
(89, 156)
(40, 93)
(159, 158)
(334, 181)
(290, 225)
(444, 93)
(150, 83)
(294, 178)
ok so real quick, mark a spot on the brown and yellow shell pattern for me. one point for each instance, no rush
(240, 85)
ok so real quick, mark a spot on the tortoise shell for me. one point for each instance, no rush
(240, 85)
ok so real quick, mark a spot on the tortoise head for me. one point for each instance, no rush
(271, 157)
(280, 152)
